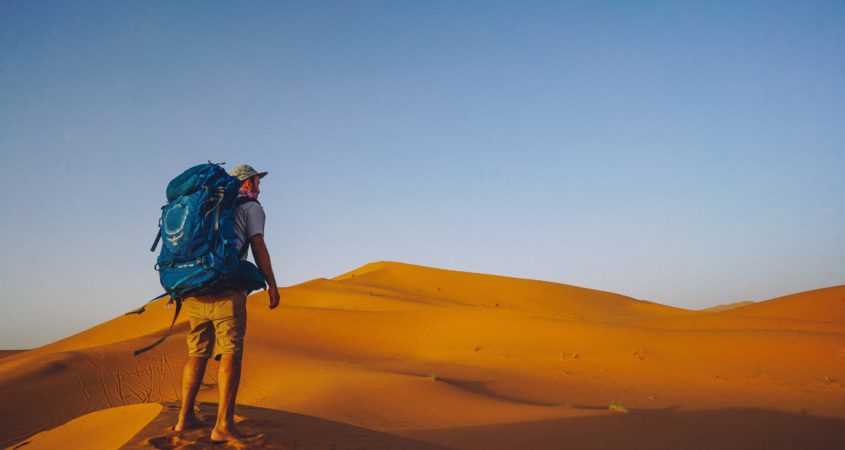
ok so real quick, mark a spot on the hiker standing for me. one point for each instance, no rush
(218, 319)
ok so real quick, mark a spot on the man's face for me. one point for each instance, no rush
(256, 180)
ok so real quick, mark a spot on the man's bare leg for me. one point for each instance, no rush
(191, 379)
(228, 377)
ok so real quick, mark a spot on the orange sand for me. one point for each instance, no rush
(109, 428)
(469, 361)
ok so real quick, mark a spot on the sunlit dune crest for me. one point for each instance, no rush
(727, 306)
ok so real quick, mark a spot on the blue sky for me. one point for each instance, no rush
(688, 153)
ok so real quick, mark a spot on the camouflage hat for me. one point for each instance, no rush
(244, 172)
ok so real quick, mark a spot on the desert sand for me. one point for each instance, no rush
(394, 355)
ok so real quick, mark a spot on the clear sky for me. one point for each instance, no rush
(685, 152)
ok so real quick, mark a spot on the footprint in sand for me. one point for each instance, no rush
(201, 438)
(246, 441)
(164, 442)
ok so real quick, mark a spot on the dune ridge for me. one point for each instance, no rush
(108, 428)
(727, 306)
(436, 355)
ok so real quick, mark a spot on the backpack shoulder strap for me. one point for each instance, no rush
(244, 199)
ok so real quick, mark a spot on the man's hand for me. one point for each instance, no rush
(273, 293)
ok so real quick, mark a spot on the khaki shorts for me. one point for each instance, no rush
(218, 322)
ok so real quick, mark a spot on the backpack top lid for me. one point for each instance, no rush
(195, 178)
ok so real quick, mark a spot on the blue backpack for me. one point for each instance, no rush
(199, 253)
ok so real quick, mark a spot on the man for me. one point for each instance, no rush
(219, 320)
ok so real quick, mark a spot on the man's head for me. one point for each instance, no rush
(250, 178)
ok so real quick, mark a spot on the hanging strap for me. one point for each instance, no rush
(220, 193)
(167, 333)
(143, 308)
(155, 243)
(174, 297)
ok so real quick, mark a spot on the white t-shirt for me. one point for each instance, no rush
(249, 221)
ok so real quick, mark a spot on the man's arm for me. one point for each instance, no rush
(262, 259)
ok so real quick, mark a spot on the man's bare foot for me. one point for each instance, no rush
(227, 434)
(190, 421)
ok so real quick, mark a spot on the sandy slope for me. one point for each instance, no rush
(109, 428)
(824, 305)
(447, 357)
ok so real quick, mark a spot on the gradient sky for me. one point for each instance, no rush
(688, 153)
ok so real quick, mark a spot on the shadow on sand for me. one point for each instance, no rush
(662, 429)
(267, 428)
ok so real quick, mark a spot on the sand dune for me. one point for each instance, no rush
(397, 352)
(824, 305)
(109, 428)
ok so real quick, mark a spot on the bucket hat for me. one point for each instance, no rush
(244, 172)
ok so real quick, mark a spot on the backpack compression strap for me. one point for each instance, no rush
(174, 297)
(164, 336)
(158, 236)
(144, 308)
